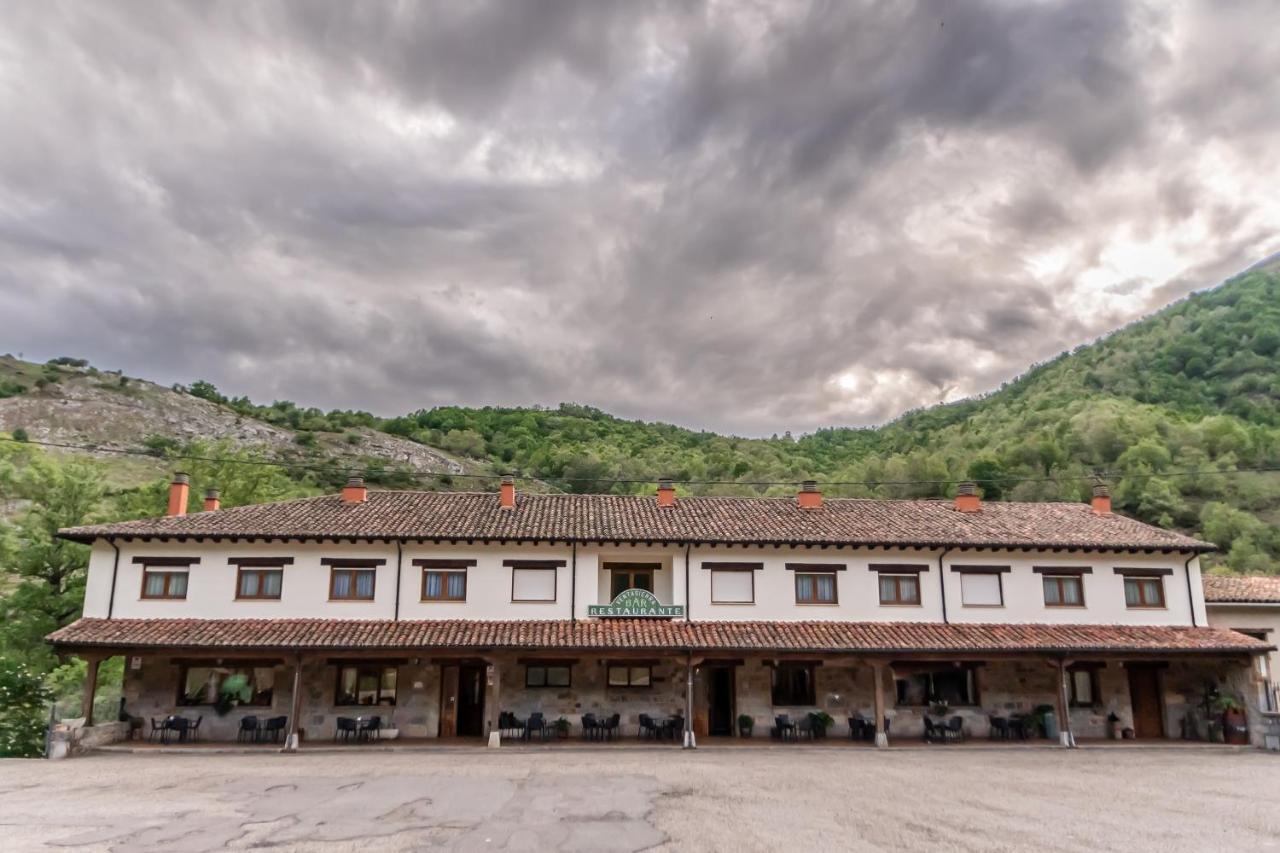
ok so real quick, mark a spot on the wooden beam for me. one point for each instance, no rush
(1065, 735)
(295, 710)
(90, 688)
(882, 737)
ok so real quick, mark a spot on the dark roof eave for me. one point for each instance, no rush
(88, 538)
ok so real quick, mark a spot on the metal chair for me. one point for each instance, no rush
(953, 731)
(783, 728)
(370, 729)
(345, 729)
(999, 727)
(274, 728)
(590, 726)
(933, 731)
(648, 728)
(536, 723)
(194, 732)
(248, 732)
(609, 728)
(157, 729)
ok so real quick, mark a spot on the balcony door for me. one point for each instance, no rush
(624, 576)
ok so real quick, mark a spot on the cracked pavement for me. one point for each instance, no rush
(631, 799)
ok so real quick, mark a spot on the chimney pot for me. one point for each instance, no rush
(179, 491)
(1101, 499)
(967, 499)
(212, 500)
(507, 492)
(809, 496)
(666, 492)
(355, 492)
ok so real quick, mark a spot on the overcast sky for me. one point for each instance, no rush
(739, 216)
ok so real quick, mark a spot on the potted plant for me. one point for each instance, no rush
(562, 728)
(939, 708)
(1235, 726)
(745, 724)
(1113, 726)
(821, 721)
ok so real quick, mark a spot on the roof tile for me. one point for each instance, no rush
(1258, 589)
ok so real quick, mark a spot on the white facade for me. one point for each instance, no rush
(584, 580)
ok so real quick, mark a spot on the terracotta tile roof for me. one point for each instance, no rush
(1242, 590)
(626, 518)
(643, 635)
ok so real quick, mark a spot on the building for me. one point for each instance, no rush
(1250, 606)
(440, 610)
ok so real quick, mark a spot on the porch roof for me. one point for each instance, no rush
(643, 635)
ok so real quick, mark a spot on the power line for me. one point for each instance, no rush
(415, 475)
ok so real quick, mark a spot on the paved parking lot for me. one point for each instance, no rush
(628, 799)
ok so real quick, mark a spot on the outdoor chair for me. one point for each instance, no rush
(248, 732)
(609, 728)
(953, 731)
(648, 728)
(157, 729)
(932, 731)
(783, 728)
(193, 733)
(804, 728)
(674, 727)
(370, 729)
(858, 727)
(346, 729)
(536, 723)
(999, 729)
(274, 728)
(590, 726)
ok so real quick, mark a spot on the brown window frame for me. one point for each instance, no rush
(898, 600)
(260, 571)
(168, 573)
(1062, 599)
(1143, 604)
(631, 571)
(444, 585)
(808, 698)
(236, 667)
(813, 574)
(334, 571)
(630, 668)
(1094, 688)
(546, 675)
(361, 668)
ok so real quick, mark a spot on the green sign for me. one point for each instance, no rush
(636, 604)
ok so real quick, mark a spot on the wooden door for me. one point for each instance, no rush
(720, 701)
(1144, 698)
(448, 701)
(471, 687)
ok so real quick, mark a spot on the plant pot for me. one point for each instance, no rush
(1235, 727)
(388, 734)
(744, 731)
(562, 734)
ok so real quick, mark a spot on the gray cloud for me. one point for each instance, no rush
(744, 217)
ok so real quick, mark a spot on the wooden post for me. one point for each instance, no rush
(690, 740)
(882, 737)
(90, 688)
(1065, 736)
(291, 741)
(493, 698)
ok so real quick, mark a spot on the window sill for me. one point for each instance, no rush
(255, 598)
(817, 604)
(731, 603)
(900, 604)
(982, 606)
(1065, 606)
(533, 601)
(163, 598)
(352, 600)
(1146, 607)
(442, 601)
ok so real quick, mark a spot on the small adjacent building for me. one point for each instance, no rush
(444, 612)
(1249, 605)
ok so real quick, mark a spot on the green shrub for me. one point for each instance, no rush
(24, 703)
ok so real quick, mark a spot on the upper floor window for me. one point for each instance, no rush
(352, 580)
(533, 580)
(352, 584)
(246, 685)
(733, 583)
(1063, 591)
(899, 589)
(793, 684)
(899, 584)
(260, 578)
(165, 577)
(981, 586)
(444, 580)
(816, 582)
(1143, 592)
(624, 576)
(365, 684)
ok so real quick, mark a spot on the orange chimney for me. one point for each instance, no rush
(967, 499)
(666, 492)
(355, 491)
(809, 497)
(212, 500)
(179, 491)
(507, 492)
(1101, 499)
